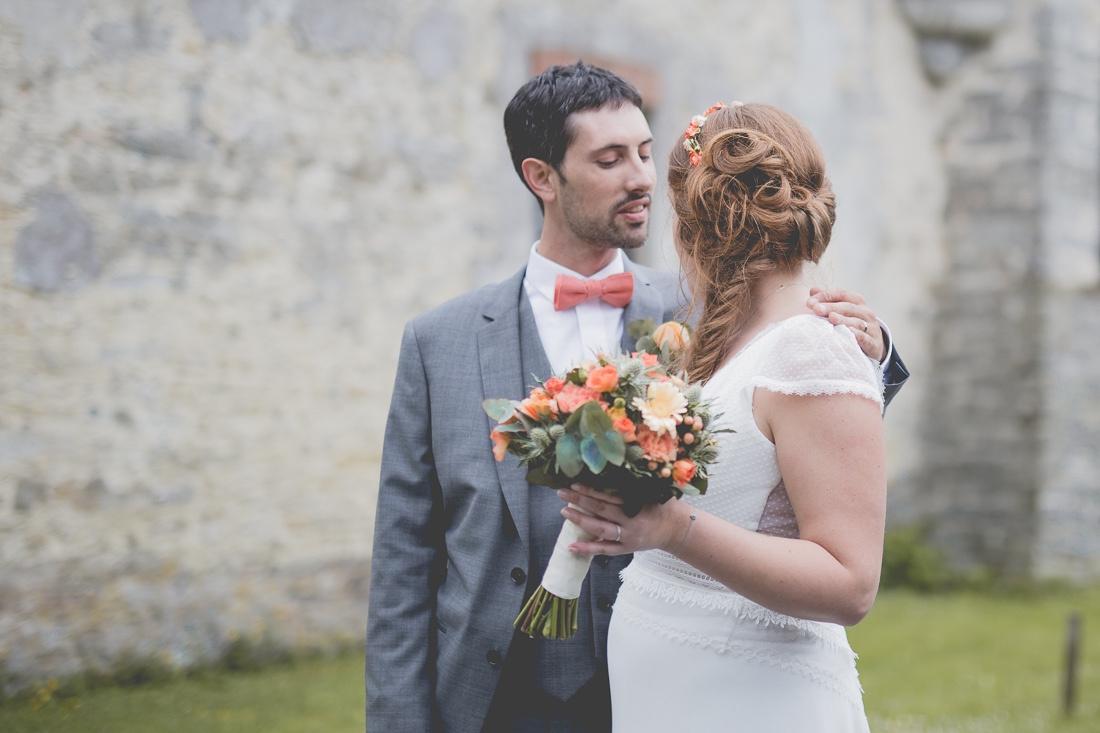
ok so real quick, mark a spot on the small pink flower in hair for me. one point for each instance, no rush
(691, 135)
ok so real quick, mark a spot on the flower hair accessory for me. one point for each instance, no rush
(691, 134)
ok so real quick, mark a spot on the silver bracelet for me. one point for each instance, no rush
(691, 523)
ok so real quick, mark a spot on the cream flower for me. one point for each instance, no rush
(662, 404)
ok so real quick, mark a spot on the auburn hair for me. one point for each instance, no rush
(758, 201)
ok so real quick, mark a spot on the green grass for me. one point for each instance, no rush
(324, 695)
(958, 663)
(967, 663)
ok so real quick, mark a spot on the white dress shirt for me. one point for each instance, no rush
(577, 334)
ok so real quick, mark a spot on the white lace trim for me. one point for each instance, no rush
(749, 653)
(820, 387)
(720, 598)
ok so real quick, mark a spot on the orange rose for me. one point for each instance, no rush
(649, 360)
(683, 471)
(553, 385)
(571, 397)
(625, 426)
(602, 379)
(657, 446)
(539, 406)
(672, 334)
(500, 444)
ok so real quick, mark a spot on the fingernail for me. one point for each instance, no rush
(562, 494)
(565, 512)
(820, 308)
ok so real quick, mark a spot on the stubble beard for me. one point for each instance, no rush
(605, 233)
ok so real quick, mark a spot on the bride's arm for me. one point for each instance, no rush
(831, 456)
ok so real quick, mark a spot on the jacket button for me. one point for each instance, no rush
(518, 576)
(494, 658)
(604, 603)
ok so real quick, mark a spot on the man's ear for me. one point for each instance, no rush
(541, 178)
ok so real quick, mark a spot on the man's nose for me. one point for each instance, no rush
(643, 176)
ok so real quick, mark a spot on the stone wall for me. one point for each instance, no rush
(1012, 478)
(216, 215)
(982, 462)
(1068, 507)
(214, 219)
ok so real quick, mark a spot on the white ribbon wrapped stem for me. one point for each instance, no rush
(566, 572)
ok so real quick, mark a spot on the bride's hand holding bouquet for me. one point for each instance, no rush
(627, 426)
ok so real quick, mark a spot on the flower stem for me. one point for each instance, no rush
(547, 616)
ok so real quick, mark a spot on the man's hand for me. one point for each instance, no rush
(849, 309)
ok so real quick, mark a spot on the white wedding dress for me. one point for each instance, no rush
(687, 653)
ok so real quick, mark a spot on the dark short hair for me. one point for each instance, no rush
(536, 121)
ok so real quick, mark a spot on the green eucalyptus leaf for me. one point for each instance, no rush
(569, 456)
(594, 421)
(612, 445)
(499, 410)
(641, 327)
(573, 423)
(591, 454)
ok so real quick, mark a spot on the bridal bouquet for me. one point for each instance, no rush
(624, 424)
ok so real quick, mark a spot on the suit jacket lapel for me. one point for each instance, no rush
(498, 344)
(645, 303)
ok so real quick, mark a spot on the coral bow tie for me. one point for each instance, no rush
(614, 290)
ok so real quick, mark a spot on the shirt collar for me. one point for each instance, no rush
(542, 273)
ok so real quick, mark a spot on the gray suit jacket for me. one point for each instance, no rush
(451, 538)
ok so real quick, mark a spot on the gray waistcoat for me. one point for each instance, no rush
(561, 667)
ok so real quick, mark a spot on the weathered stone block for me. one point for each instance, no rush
(56, 251)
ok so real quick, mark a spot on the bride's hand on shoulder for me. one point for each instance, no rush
(656, 526)
(845, 308)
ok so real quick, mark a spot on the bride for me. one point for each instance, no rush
(732, 614)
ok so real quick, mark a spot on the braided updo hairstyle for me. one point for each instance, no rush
(758, 201)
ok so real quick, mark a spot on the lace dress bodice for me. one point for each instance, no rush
(802, 355)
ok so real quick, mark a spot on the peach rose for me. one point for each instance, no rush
(571, 397)
(683, 471)
(649, 360)
(672, 334)
(657, 446)
(553, 385)
(602, 379)
(626, 428)
(500, 444)
(539, 406)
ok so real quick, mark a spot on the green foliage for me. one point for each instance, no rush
(498, 409)
(248, 655)
(641, 327)
(569, 455)
(909, 562)
(591, 454)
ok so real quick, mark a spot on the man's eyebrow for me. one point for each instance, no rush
(619, 146)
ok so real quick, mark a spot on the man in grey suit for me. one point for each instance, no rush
(460, 540)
